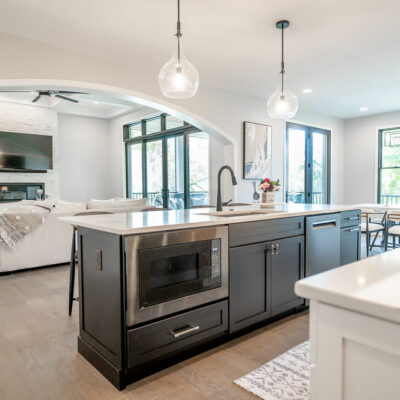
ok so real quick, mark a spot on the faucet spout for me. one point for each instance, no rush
(234, 182)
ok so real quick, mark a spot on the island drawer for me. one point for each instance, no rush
(263, 231)
(350, 218)
(161, 338)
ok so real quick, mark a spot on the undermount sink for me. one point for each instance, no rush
(237, 213)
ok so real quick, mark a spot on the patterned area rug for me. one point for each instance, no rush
(283, 378)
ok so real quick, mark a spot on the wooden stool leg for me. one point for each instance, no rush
(72, 274)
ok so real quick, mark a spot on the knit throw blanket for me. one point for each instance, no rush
(16, 222)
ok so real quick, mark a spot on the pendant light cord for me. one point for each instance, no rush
(282, 59)
(178, 31)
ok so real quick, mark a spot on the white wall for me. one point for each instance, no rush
(217, 112)
(85, 162)
(361, 155)
(36, 120)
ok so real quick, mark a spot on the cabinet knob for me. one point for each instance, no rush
(273, 248)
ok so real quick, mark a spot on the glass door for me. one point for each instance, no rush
(154, 173)
(176, 173)
(307, 164)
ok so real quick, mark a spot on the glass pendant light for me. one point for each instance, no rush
(178, 78)
(282, 104)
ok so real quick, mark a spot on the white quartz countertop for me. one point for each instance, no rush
(156, 221)
(370, 286)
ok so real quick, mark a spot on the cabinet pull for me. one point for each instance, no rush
(352, 230)
(324, 224)
(352, 218)
(180, 332)
(273, 248)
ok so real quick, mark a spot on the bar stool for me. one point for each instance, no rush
(375, 226)
(74, 259)
(394, 228)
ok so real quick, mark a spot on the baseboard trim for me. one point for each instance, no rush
(115, 376)
(16, 271)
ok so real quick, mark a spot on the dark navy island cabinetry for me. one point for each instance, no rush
(251, 267)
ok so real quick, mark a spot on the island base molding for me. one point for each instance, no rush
(353, 355)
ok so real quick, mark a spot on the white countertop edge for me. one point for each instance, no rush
(108, 222)
(347, 302)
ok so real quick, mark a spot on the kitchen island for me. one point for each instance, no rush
(355, 329)
(156, 285)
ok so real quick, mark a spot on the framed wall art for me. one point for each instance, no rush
(256, 150)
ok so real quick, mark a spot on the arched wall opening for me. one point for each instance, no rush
(124, 96)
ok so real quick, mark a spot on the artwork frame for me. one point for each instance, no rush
(257, 150)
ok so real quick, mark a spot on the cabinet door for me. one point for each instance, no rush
(248, 286)
(322, 243)
(350, 245)
(286, 263)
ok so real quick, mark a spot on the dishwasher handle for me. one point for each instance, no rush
(325, 224)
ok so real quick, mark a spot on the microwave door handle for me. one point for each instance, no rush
(178, 333)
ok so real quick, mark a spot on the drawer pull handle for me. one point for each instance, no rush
(352, 230)
(352, 218)
(324, 224)
(177, 334)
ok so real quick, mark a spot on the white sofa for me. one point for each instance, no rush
(50, 243)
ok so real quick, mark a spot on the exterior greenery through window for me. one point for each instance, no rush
(167, 161)
(389, 166)
(307, 164)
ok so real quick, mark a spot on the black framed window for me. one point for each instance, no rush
(167, 161)
(307, 164)
(389, 166)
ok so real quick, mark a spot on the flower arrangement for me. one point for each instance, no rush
(268, 185)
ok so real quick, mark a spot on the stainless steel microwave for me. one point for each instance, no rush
(172, 271)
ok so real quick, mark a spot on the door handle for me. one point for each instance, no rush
(324, 224)
(182, 332)
(352, 230)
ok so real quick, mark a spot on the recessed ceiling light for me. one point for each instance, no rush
(307, 90)
(95, 102)
(363, 108)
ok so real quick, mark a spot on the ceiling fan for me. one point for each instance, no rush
(56, 93)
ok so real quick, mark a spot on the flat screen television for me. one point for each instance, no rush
(22, 151)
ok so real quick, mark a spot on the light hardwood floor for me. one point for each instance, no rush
(39, 361)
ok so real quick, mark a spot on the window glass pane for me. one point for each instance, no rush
(176, 183)
(154, 173)
(390, 186)
(153, 125)
(391, 148)
(135, 171)
(320, 168)
(296, 156)
(199, 156)
(135, 129)
(173, 122)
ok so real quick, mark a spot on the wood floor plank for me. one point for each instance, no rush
(39, 359)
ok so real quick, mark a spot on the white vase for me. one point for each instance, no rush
(268, 198)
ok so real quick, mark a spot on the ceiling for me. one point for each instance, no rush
(89, 105)
(345, 50)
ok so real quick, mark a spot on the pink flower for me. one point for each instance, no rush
(265, 186)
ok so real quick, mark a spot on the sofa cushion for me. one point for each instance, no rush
(124, 203)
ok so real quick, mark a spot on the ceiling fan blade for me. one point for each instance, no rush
(66, 98)
(68, 92)
(36, 98)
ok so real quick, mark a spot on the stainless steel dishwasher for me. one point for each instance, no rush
(322, 243)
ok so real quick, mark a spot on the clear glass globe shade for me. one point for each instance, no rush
(282, 105)
(178, 80)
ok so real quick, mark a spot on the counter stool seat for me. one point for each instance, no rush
(394, 230)
(372, 227)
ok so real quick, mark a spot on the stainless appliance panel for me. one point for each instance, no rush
(133, 244)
